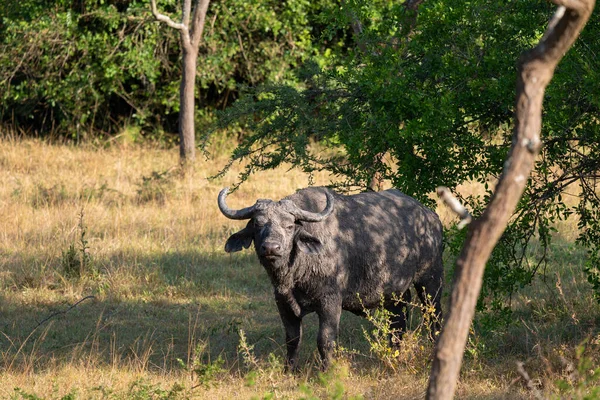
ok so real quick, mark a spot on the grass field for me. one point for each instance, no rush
(163, 312)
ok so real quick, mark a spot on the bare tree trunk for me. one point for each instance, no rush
(187, 134)
(190, 42)
(535, 71)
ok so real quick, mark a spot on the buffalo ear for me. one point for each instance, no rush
(240, 240)
(308, 243)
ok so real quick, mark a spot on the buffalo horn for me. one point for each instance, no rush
(307, 216)
(244, 213)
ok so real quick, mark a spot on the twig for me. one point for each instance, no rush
(528, 382)
(166, 19)
(452, 202)
(63, 311)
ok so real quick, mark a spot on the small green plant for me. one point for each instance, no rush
(208, 372)
(381, 335)
(129, 134)
(21, 394)
(92, 192)
(476, 349)
(71, 265)
(409, 353)
(142, 390)
(264, 370)
(582, 382)
(202, 369)
(246, 351)
(76, 260)
(275, 362)
(101, 193)
(329, 386)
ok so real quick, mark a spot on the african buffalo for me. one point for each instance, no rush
(325, 252)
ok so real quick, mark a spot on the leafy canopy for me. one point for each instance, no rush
(427, 99)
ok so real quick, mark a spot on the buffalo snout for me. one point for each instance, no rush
(270, 249)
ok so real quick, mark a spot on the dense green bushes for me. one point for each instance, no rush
(91, 67)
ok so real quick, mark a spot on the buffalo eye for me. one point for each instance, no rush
(259, 223)
(290, 227)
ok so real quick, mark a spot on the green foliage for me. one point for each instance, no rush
(255, 40)
(399, 101)
(401, 350)
(327, 385)
(257, 369)
(428, 100)
(246, 351)
(330, 385)
(21, 394)
(589, 223)
(100, 192)
(381, 335)
(76, 64)
(208, 372)
(79, 69)
(582, 381)
(201, 368)
(44, 196)
(143, 390)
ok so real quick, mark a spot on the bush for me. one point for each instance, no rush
(81, 69)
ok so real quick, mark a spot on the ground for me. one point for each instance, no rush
(164, 312)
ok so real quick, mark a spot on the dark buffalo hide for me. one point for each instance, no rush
(325, 252)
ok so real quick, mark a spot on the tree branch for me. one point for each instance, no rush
(528, 382)
(166, 19)
(187, 9)
(198, 22)
(63, 311)
(455, 205)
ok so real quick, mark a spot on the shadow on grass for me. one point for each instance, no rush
(150, 312)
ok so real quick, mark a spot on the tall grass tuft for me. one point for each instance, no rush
(77, 260)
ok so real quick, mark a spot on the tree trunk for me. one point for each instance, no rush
(187, 134)
(190, 42)
(536, 69)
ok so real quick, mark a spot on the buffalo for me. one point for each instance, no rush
(326, 252)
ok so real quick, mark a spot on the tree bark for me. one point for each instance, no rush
(190, 42)
(535, 71)
(187, 131)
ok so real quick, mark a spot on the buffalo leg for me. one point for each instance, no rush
(293, 332)
(399, 311)
(329, 324)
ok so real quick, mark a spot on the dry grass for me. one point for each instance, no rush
(162, 286)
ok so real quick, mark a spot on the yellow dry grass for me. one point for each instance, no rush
(161, 285)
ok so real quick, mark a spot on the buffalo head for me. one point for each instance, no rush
(275, 227)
